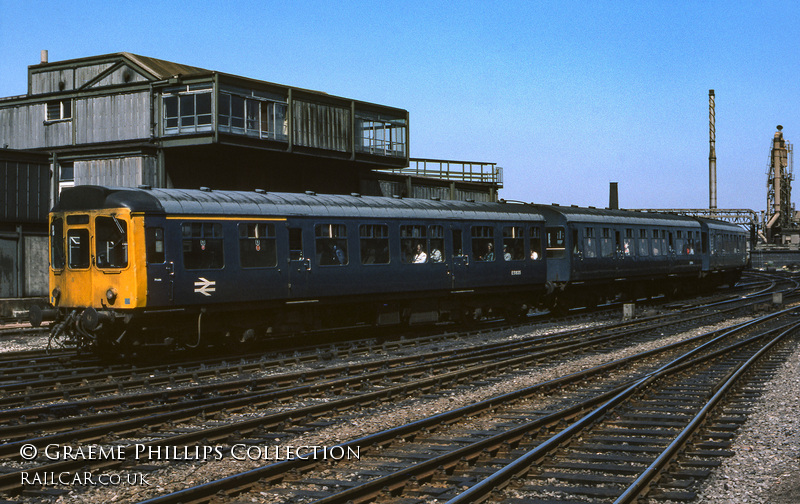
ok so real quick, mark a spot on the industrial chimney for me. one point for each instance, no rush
(613, 196)
(712, 154)
(44, 56)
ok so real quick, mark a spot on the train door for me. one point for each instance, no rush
(299, 263)
(460, 268)
(704, 250)
(79, 260)
(160, 272)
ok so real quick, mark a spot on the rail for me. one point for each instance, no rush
(463, 171)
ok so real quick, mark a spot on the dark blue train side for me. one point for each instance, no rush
(596, 255)
(235, 265)
(135, 267)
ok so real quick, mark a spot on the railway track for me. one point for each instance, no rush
(529, 434)
(247, 402)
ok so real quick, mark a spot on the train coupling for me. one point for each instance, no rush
(91, 319)
(37, 315)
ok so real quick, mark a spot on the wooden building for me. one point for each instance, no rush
(129, 120)
(24, 204)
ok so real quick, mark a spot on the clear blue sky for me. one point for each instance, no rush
(566, 96)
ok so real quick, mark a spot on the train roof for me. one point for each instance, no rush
(721, 225)
(606, 216)
(241, 203)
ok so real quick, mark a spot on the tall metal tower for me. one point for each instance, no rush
(780, 214)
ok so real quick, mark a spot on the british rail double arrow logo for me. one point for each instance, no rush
(204, 286)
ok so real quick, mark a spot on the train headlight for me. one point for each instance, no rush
(111, 295)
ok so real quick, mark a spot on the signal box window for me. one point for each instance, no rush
(202, 245)
(513, 243)
(257, 246)
(154, 238)
(331, 244)
(111, 242)
(483, 243)
(413, 244)
(436, 237)
(374, 243)
(57, 256)
(78, 243)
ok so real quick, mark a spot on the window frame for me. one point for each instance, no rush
(216, 239)
(368, 240)
(100, 239)
(58, 110)
(187, 106)
(337, 236)
(267, 235)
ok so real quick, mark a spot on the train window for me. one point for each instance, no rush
(295, 244)
(483, 243)
(257, 245)
(606, 244)
(57, 257)
(589, 243)
(331, 244)
(458, 243)
(629, 244)
(556, 242)
(513, 243)
(154, 240)
(78, 240)
(374, 243)
(436, 237)
(413, 244)
(73, 220)
(644, 246)
(111, 242)
(202, 245)
(656, 243)
(536, 244)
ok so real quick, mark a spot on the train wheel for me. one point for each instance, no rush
(558, 306)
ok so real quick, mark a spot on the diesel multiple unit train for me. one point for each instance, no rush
(172, 267)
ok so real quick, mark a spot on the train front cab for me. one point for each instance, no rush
(94, 267)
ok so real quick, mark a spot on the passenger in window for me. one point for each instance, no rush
(436, 255)
(534, 254)
(506, 253)
(370, 259)
(408, 252)
(420, 256)
(338, 253)
(489, 253)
